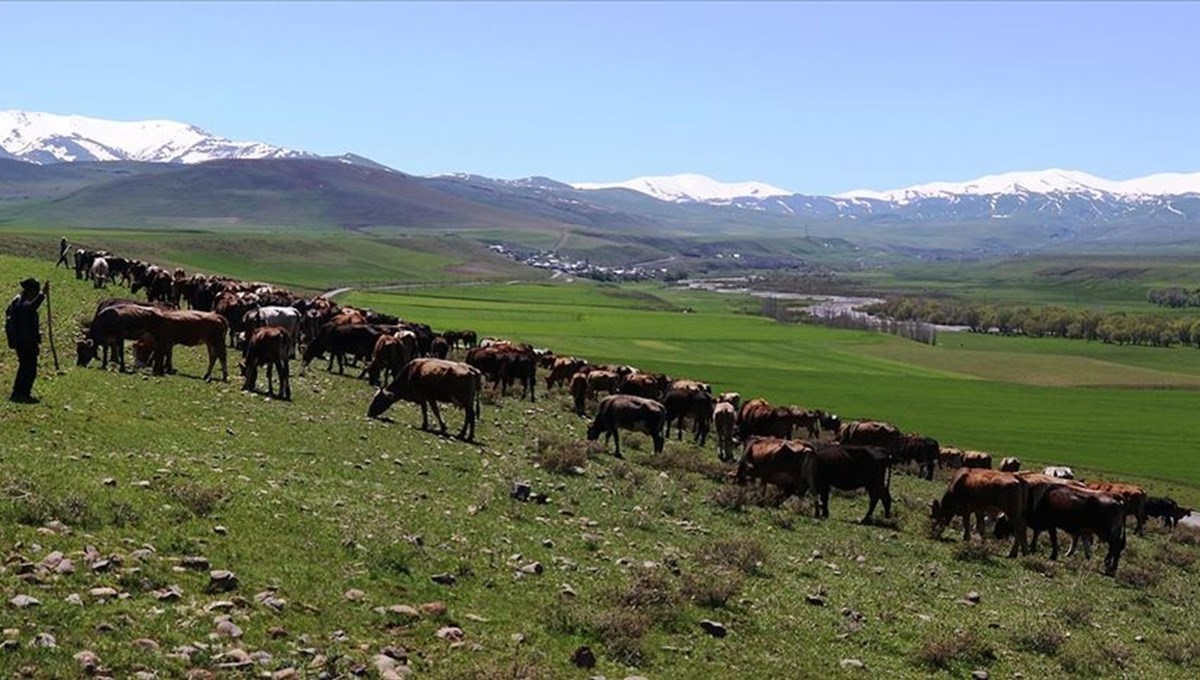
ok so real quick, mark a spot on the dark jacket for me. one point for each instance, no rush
(21, 321)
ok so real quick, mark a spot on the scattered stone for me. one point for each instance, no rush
(221, 581)
(220, 530)
(567, 592)
(973, 597)
(451, 633)
(354, 595)
(404, 610)
(74, 599)
(220, 606)
(521, 491)
(518, 638)
(194, 562)
(434, 609)
(443, 579)
(285, 674)
(714, 628)
(851, 664)
(9, 644)
(146, 644)
(65, 567)
(228, 629)
(979, 675)
(277, 633)
(103, 592)
(1139, 638)
(102, 566)
(267, 599)
(398, 653)
(108, 481)
(88, 661)
(23, 601)
(815, 600)
(549, 544)
(104, 627)
(235, 658)
(168, 594)
(533, 568)
(45, 640)
(584, 657)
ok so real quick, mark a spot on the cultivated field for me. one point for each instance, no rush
(331, 520)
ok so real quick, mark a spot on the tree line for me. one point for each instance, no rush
(1175, 297)
(1121, 328)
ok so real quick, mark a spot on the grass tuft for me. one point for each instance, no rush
(942, 650)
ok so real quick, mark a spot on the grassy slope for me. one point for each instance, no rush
(317, 500)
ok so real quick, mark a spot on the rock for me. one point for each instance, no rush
(517, 638)
(548, 544)
(220, 530)
(228, 629)
(434, 609)
(146, 644)
(108, 481)
(521, 491)
(221, 581)
(851, 664)
(443, 579)
(88, 661)
(58, 527)
(567, 592)
(74, 599)
(194, 562)
(277, 633)
(23, 601)
(1139, 638)
(235, 658)
(584, 657)
(398, 653)
(8, 645)
(354, 595)
(285, 674)
(65, 567)
(49, 562)
(45, 640)
(103, 592)
(533, 568)
(476, 618)
(404, 611)
(220, 606)
(168, 594)
(102, 566)
(815, 600)
(451, 633)
(714, 628)
(972, 597)
(979, 675)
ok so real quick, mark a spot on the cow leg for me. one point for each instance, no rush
(886, 496)
(874, 494)
(1053, 543)
(658, 441)
(437, 413)
(285, 380)
(966, 522)
(532, 388)
(424, 416)
(616, 441)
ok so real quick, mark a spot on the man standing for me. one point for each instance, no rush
(62, 254)
(24, 335)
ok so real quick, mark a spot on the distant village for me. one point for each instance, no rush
(582, 268)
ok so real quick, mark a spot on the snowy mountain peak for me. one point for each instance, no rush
(50, 138)
(1054, 180)
(691, 188)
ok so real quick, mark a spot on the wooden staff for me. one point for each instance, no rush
(50, 327)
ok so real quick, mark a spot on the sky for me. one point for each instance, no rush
(812, 97)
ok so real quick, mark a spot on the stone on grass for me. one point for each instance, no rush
(714, 628)
(23, 601)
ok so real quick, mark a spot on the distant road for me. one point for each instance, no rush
(335, 291)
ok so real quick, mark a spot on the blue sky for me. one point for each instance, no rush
(812, 97)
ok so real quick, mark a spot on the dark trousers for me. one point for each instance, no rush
(27, 360)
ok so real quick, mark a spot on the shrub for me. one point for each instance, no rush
(1046, 641)
(744, 554)
(201, 500)
(941, 650)
(1139, 577)
(1076, 613)
(737, 496)
(711, 588)
(562, 455)
(1176, 555)
(973, 552)
(689, 459)
(1178, 650)
(621, 630)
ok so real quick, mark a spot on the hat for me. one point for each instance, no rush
(30, 284)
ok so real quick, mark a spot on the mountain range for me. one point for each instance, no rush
(90, 171)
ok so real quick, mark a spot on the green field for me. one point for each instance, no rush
(315, 501)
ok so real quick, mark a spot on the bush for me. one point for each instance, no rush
(1046, 641)
(689, 459)
(1076, 613)
(562, 455)
(1178, 650)
(738, 496)
(940, 650)
(711, 588)
(199, 499)
(742, 554)
(621, 630)
(973, 552)
(1139, 577)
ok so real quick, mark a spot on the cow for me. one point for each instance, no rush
(950, 457)
(849, 467)
(730, 398)
(286, 318)
(1132, 495)
(392, 351)
(190, 328)
(158, 283)
(627, 412)
(975, 491)
(758, 418)
(690, 400)
(1010, 464)
(776, 461)
(589, 382)
(427, 382)
(112, 325)
(268, 346)
(338, 341)
(977, 459)
(234, 307)
(563, 369)
(913, 448)
(1059, 471)
(1166, 509)
(99, 272)
(1079, 511)
(725, 423)
(871, 433)
(504, 363)
(648, 385)
(439, 347)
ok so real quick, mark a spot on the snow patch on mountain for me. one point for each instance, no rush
(1052, 181)
(690, 188)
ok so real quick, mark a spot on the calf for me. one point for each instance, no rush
(776, 461)
(111, 327)
(391, 353)
(99, 272)
(725, 422)
(977, 459)
(268, 346)
(176, 327)
(627, 412)
(341, 340)
(978, 492)
(286, 318)
(688, 399)
(1166, 509)
(563, 369)
(913, 448)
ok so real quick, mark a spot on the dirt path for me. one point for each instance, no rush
(336, 291)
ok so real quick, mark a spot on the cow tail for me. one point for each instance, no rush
(887, 478)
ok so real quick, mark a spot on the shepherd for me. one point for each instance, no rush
(63, 247)
(24, 335)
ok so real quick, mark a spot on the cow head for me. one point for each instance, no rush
(85, 351)
(143, 350)
(940, 515)
(830, 422)
(594, 430)
(1179, 513)
(382, 401)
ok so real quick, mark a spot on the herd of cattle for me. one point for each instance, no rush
(795, 449)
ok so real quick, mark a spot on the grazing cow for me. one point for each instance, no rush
(286, 318)
(190, 328)
(977, 459)
(871, 433)
(504, 363)
(268, 346)
(1132, 495)
(157, 282)
(234, 307)
(849, 467)
(99, 272)
(563, 369)
(758, 418)
(648, 385)
(430, 381)
(978, 492)
(731, 398)
(1079, 511)
(950, 457)
(627, 412)
(774, 461)
(112, 325)
(688, 399)
(439, 347)
(545, 357)
(1059, 471)
(1010, 464)
(469, 339)
(1166, 509)
(725, 423)
(338, 341)
(913, 448)
(392, 351)
(597, 380)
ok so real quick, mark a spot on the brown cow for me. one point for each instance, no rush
(111, 327)
(973, 491)
(1133, 496)
(190, 328)
(950, 457)
(439, 347)
(774, 461)
(627, 412)
(725, 422)
(563, 369)
(1010, 464)
(392, 351)
(429, 381)
(1079, 511)
(268, 346)
(688, 399)
(648, 385)
(913, 448)
(977, 459)
(849, 467)
(758, 418)
(731, 398)
(871, 433)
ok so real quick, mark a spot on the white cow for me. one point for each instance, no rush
(99, 272)
(1059, 471)
(284, 317)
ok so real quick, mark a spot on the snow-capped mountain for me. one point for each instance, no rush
(1052, 181)
(50, 138)
(691, 188)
